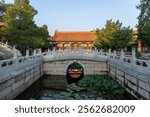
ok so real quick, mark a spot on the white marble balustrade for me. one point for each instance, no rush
(11, 66)
(75, 54)
(130, 63)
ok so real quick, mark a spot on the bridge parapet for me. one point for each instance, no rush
(11, 66)
(132, 73)
(75, 54)
(131, 63)
(19, 73)
(5, 45)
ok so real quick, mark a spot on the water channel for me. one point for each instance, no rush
(40, 91)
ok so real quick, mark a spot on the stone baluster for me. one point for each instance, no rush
(133, 57)
(54, 51)
(34, 52)
(122, 56)
(15, 53)
(115, 54)
(96, 52)
(27, 53)
(48, 52)
(40, 51)
(6, 43)
(59, 49)
(122, 53)
(15, 57)
(133, 53)
(109, 51)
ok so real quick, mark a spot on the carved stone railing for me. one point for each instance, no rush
(131, 64)
(5, 45)
(9, 48)
(12, 66)
(75, 54)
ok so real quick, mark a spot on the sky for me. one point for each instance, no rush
(83, 15)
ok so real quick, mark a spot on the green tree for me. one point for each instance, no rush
(122, 38)
(40, 39)
(21, 29)
(2, 10)
(19, 20)
(113, 35)
(144, 22)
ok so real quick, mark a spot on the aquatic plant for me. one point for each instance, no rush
(98, 84)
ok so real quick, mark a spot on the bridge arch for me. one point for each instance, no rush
(79, 62)
(74, 71)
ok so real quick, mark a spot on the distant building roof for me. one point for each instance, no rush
(75, 36)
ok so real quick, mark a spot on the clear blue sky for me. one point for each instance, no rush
(83, 15)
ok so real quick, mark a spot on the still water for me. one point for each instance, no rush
(39, 91)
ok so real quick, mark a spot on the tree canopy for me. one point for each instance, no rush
(2, 10)
(113, 35)
(144, 22)
(21, 29)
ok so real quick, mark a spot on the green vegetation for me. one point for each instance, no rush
(21, 29)
(2, 10)
(99, 84)
(144, 22)
(113, 36)
(75, 65)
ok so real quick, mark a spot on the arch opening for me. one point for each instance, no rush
(75, 72)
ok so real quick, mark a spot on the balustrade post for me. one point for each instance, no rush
(133, 57)
(133, 53)
(40, 51)
(15, 58)
(54, 51)
(115, 54)
(48, 52)
(6, 43)
(15, 53)
(122, 53)
(109, 51)
(27, 53)
(122, 56)
(96, 52)
(34, 52)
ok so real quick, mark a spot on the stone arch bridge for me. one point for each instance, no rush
(57, 62)
(19, 73)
